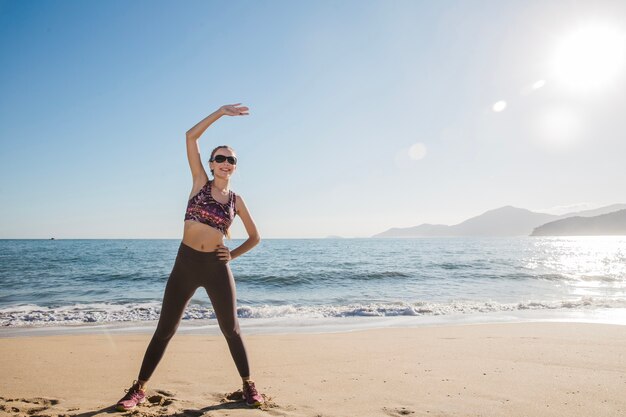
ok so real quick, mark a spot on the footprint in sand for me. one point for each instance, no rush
(398, 411)
(160, 400)
(26, 406)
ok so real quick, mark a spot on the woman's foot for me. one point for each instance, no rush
(134, 395)
(250, 395)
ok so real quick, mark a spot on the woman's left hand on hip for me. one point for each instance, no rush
(223, 253)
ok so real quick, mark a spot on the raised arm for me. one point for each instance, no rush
(193, 150)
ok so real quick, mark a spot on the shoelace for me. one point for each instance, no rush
(133, 393)
(251, 389)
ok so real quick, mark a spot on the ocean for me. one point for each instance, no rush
(295, 283)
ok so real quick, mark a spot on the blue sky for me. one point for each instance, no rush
(364, 115)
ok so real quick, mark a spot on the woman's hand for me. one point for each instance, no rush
(223, 253)
(197, 131)
(234, 110)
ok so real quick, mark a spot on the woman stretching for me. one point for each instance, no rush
(202, 260)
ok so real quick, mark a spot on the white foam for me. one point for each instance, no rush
(33, 315)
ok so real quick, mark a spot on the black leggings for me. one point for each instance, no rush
(194, 269)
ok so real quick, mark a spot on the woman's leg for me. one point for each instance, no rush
(220, 287)
(179, 289)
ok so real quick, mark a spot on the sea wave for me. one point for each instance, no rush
(317, 278)
(569, 278)
(34, 315)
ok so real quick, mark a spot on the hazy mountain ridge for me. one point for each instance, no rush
(595, 212)
(503, 221)
(604, 224)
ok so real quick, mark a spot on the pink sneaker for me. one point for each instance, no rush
(133, 396)
(251, 396)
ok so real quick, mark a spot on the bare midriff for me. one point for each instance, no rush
(201, 236)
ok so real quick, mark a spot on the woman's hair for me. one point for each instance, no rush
(212, 155)
(215, 150)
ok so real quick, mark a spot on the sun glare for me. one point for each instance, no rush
(590, 58)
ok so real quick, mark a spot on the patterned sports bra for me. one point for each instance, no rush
(203, 208)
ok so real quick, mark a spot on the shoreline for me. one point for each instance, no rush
(501, 369)
(306, 325)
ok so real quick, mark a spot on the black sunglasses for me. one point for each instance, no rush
(221, 158)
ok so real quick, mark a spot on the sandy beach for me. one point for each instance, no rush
(511, 369)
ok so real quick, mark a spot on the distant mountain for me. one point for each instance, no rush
(504, 221)
(595, 212)
(605, 224)
(421, 230)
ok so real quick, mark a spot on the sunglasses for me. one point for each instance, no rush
(221, 158)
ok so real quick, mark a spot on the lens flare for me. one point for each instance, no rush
(537, 85)
(499, 106)
(417, 151)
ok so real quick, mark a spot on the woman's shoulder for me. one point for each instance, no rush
(238, 200)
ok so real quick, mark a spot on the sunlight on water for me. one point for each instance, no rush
(590, 264)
